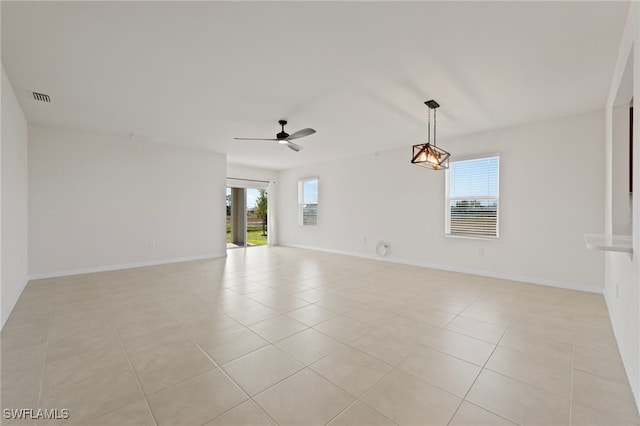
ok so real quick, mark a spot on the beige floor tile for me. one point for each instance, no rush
(227, 347)
(21, 384)
(82, 342)
(80, 368)
(304, 398)
(212, 326)
(253, 314)
(601, 363)
(19, 335)
(136, 414)
(172, 321)
(351, 369)
(308, 346)
(472, 415)
(343, 328)
(339, 304)
(466, 348)
(384, 346)
(197, 400)
(312, 295)
(595, 341)
(441, 370)
(262, 369)
(558, 334)
(372, 316)
(17, 403)
(536, 345)
(200, 311)
(168, 370)
(160, 346)
(477, 329)
(134, 328)
(429, 315)
(581, 415)
(494, 312)
(547, 373)
(410, 330)
(360, 415)
(604, 395)
(518, 402)
(94, 398)
(25, 359)
(281, 303)
(312, 315)
(448, 303)
(277, 328)
(245, 414)
(71, 325)
(407, 400)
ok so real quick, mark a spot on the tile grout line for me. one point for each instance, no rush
(481, 370)
(573, 356)
(135, 375)
(112, 322)
(44, 363)
(219, 366)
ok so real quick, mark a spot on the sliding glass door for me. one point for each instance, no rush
(246, 217)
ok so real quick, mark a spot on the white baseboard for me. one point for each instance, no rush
(491, 274)
(122, 266)
(635, 386)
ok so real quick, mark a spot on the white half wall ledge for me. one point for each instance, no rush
(511, 277)
(119, 267)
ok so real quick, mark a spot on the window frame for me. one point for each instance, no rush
(301, 203)
(448, 198)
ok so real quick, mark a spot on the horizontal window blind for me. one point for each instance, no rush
(472, 198)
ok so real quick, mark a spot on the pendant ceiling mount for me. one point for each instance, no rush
(428, 154)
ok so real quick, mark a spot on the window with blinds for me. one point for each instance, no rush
(473, 197)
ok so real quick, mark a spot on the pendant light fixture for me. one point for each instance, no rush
(426, 154)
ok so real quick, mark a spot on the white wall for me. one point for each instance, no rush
(100, 202)
(622, 272)
(551, 189)
(14, 199)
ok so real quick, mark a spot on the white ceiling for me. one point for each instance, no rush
(196, 74)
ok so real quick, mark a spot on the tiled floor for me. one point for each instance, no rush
(294, 337)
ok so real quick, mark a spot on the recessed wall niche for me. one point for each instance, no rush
(622, 154)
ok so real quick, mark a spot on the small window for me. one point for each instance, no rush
(308, 201)
(473, 197)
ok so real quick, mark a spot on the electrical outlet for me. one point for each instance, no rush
(152, 243)
(480, 251)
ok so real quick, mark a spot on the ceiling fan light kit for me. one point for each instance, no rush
(426, 154)
(285, 138)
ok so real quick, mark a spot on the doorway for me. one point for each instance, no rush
(247, 221)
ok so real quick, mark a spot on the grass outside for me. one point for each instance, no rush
(254, 234)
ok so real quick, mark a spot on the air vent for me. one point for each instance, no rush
(41, 97)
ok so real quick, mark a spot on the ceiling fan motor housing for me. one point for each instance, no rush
(282, 134)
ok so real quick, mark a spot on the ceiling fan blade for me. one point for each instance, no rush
(292, 146)
(254, 139)
(301, 133)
